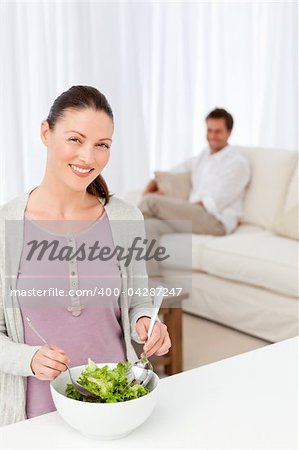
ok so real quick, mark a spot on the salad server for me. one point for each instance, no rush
(85, 392)
(142, 370)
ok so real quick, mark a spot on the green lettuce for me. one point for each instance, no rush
(111, 385)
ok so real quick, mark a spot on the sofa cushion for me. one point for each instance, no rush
(185, 250)
(179, 247)
(258, 258)
(292, 194)
(176, 185)
(271, 172)
(287, 222)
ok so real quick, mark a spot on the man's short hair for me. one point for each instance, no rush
(220, 113)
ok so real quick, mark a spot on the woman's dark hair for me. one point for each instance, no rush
(81, 97)
(220, 113)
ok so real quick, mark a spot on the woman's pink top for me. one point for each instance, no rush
(96, 332)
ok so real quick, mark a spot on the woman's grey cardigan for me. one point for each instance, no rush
(15, 356)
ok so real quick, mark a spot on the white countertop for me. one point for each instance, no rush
(248, 401)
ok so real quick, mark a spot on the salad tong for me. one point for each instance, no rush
(142, 370)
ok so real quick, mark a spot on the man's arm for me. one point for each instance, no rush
(228, 187)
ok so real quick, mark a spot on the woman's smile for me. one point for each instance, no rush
(81, 171)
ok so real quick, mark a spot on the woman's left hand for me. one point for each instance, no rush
(159, 342)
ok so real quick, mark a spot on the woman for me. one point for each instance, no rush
(76, 209)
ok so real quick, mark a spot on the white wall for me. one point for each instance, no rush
(162, 65)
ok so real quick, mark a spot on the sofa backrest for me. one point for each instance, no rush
(271, 173)
(292, 194)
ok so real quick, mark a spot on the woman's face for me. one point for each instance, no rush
(78, 146)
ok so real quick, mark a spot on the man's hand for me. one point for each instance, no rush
(200, 203)
(159, 342)
(151, 187)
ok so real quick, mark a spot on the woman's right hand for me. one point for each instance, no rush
(48, 362)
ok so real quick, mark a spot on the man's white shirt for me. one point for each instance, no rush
(219, 180)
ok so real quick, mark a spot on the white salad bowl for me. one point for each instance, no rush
(102, 420)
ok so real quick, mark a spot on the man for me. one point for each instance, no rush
(219, 177)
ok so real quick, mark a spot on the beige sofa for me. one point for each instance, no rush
(249, 280)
